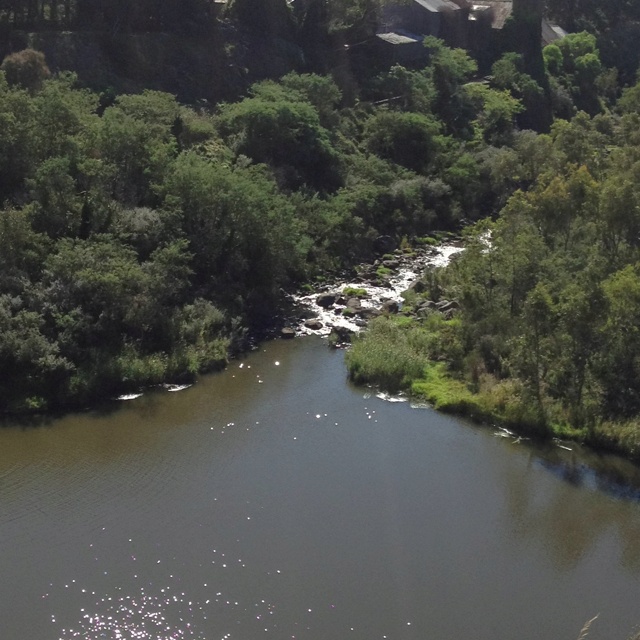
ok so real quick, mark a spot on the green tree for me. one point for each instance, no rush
(287, 136)
(27, 69)
(409, 139)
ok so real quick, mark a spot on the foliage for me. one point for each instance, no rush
(27, 69)
(386, 357)
(141, 239)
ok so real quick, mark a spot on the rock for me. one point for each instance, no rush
(326, 300)
(384, 244)
(367, 313)
(307, 314)
(391, 264)
(390, 306)
(418, 286)
(354, 303)
(447, 305)
(426, 305)
(342, 333)
(314, 325)
(287, 333)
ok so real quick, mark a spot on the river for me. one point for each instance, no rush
(275, 500)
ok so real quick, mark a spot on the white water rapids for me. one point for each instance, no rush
(409, 270)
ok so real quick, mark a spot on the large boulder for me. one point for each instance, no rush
(418, 286)
(367, 313)
(384, 244)
(447, 305)
(390, 306)
(314, 325)
(326, 300)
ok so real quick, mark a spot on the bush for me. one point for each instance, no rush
(27, 68)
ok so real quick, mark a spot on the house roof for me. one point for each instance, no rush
(436, 6)
(501, 10)
(400, 37)
(551, 32)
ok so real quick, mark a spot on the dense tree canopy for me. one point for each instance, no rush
(140, 239)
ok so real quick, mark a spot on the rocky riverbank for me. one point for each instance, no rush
(342, 308)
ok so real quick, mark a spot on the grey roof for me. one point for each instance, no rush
(395, 37)
(438, 5)
(551, 32)
(501, 10)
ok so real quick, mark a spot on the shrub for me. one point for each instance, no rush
(27, 68)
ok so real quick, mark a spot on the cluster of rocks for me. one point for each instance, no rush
(348, 314)
(344, 308)
(447, 308)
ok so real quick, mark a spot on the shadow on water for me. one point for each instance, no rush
(37, 420)
(613, 476)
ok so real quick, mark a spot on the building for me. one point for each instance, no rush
(476, 25)
(445, 19)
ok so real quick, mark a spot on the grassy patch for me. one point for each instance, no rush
(385, 356)
(355, 292)
(448, 394)
(428, 241)
(621, 437)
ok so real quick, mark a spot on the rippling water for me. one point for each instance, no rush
(275, 500)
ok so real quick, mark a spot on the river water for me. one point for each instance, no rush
(275, 500)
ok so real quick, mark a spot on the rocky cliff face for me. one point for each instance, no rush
(219, 67)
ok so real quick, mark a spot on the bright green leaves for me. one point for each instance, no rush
(575, 69)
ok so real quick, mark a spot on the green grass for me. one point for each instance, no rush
(428, 241)
(402, 353)
(354, 292)
(385, 356)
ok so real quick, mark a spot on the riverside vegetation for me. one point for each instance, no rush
(140, 239)
(545, 337)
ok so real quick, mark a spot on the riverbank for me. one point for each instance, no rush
(411, 354)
